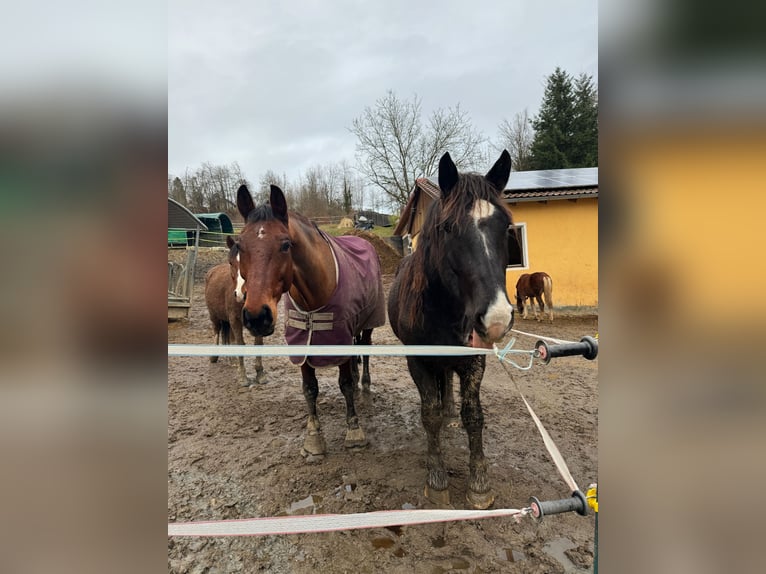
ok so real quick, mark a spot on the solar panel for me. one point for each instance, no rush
(553, 179)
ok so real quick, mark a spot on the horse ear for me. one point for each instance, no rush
(500, 172)
(447, 174)
(229, 241)
(244, 201)
(278, 203)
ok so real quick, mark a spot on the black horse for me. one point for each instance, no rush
(451, 291)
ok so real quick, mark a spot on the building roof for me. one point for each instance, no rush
(553, 179)
(181, 218)
(431, 187)
(218, 222)
(551, 184)
(549, 194)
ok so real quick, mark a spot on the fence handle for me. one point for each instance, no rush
(587, 347)
(542, 508)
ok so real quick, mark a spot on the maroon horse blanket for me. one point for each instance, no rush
(358, 303)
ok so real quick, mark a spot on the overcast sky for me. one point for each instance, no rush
(276, 85)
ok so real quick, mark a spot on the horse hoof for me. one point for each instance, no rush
(438, 497)
(314, 444)
(480, 500)
(213, 359)
(355, 438)
(253, 382)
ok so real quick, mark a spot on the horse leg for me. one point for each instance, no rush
(448, 401)
(540, 305)
(549, 302)
(524, 302)
(436, 489)
(355, 437)
(217, 329)
(354, 364)
(314, 443)
(236, 328)
(260, 378)
(366, 339)
(479, 494)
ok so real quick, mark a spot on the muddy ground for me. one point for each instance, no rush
(234, 452)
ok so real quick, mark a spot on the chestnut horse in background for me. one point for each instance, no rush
(225, 308)
(451, 291)
(534, 287)
(334, 297)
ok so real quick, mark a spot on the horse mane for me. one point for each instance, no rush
(442, 216)
(265, 213)
(260, 213)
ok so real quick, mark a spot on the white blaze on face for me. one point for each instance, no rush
(261, 233)
(239, 295)
(482, 209)
(498, 316)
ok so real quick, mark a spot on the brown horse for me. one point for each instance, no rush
(335, 296)
(535, 287)
(451, 291)
(225, 309)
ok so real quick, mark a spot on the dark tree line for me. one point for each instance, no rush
(323, 190)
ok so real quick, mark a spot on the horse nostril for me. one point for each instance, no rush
(261, 323)
(266, 314)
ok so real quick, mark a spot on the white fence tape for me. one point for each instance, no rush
(543, 337)
(331, 522)
(322, 350)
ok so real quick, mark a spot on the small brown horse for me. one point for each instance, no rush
(225, 309)
(535, 287)
(451, 291)
(335, 296)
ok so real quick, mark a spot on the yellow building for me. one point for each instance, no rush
(556, 217)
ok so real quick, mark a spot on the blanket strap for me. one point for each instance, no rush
(310, 321)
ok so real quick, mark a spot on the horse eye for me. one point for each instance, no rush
(285, 247)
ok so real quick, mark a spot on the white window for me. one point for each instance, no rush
(518, 257)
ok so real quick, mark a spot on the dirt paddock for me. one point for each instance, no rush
(234, 452)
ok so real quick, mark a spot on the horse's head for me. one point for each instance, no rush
(471, 226)
(263, 254)
(519, 303)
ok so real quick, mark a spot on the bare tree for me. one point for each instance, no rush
(176, 190)
(195, 192)
(210, 187)
(394, 147)
(271, 178)
(516, 136)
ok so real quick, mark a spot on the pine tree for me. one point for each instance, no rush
(566, 129)
(585, 123)
(552, 146)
